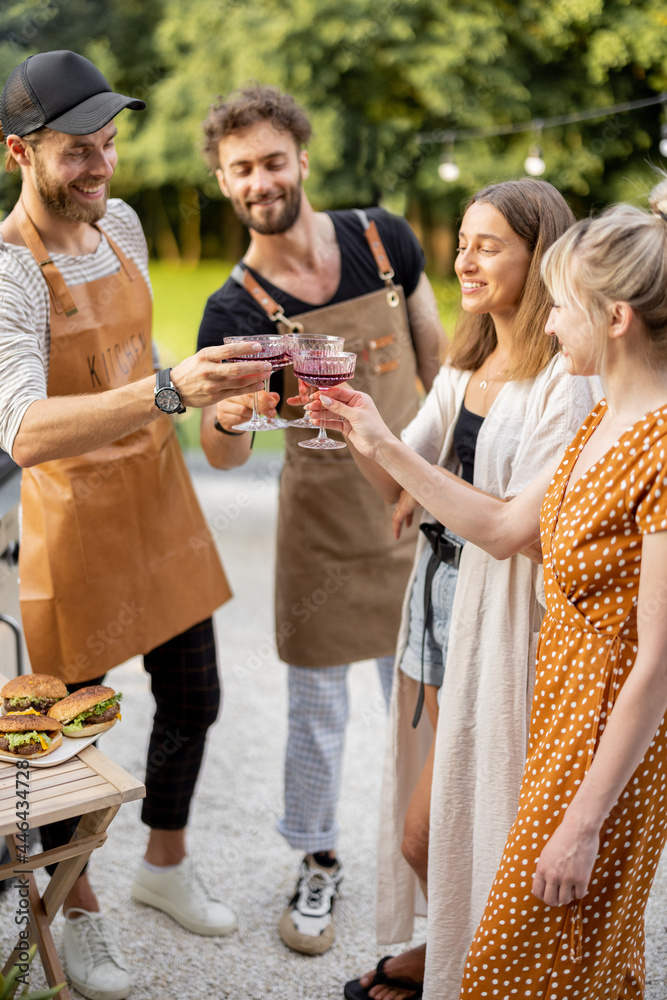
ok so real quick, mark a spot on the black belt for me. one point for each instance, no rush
(444, 551)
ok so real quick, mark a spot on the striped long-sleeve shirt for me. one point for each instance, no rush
(24, 310)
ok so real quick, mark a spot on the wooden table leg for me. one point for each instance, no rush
(68, 871)
(40, 927)
(39, 931)
(44, 908)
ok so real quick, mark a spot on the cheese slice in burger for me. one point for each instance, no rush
(30, 735)
(38, 691)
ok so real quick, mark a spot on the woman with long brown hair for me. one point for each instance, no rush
(500, 409)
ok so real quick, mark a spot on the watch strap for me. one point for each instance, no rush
(163, 381)
(218, 426)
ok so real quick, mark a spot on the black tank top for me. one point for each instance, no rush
(466, 430)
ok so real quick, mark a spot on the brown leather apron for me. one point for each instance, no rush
(341, 576)
(116, 557)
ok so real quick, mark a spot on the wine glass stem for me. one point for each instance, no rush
(322, 433)
(266, 389)
(255, 414)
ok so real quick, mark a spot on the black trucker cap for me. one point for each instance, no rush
(61, 90)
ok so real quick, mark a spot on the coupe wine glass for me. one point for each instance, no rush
(300, 342)
(273, 350)
(323, 370)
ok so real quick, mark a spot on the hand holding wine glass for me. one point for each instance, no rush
(238, 409)
(273, 351)
(304, 342)
(323, 370)
(361, 422)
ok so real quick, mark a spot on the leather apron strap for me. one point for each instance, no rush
(244, 277)
(61, 297)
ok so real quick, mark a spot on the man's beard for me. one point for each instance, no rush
(57, 199)
(288, 215)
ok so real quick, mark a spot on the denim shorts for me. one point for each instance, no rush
(437, 626)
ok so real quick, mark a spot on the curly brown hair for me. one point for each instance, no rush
(253, 103)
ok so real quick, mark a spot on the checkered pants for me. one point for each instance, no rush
(318, 714)
(186, 688)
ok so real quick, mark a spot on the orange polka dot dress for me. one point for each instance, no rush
(591, 540)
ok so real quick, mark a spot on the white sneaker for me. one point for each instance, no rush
(181, 893)
(306, 925)
(93, 961)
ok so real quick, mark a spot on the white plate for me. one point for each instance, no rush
(69, 747)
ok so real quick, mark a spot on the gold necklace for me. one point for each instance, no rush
(484, 384)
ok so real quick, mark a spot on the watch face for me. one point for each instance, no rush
(168, 400)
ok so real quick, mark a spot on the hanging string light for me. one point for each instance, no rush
(663, 140)
(448, 171)
(534, 163)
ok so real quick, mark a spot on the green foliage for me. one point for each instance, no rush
(375, 74)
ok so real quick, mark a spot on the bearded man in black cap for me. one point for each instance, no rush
(108, 507)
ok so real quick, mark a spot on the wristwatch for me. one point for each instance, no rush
(167, 397)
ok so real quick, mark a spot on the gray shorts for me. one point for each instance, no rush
(437, 626)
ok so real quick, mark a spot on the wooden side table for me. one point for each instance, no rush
(88, 785)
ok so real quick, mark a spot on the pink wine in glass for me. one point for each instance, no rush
(299, 343)
(272, 350)
(323, 371)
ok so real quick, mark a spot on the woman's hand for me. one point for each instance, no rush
(565, 865)
(402, 513)
(238, 409)
(361, 422)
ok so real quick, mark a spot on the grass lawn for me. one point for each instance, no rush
(180, 294)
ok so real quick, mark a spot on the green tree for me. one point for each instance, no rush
(378, 76)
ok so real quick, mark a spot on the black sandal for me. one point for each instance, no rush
(355, 991)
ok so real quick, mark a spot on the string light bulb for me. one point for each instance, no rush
(448, 170)
(534, 164)
(663, 141)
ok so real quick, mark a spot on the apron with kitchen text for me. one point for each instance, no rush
(340, 575)
(116, 557)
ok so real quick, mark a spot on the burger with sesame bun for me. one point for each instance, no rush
(28, 734)
(38, 691)
(88, 711)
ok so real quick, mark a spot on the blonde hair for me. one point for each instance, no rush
(538, 214)
(621, 256)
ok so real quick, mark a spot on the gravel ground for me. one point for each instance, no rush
(232, 836)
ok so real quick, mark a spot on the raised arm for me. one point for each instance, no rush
(502, 529)
(63, 426)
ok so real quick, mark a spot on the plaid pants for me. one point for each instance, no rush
(318, 714)
(186, 688)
